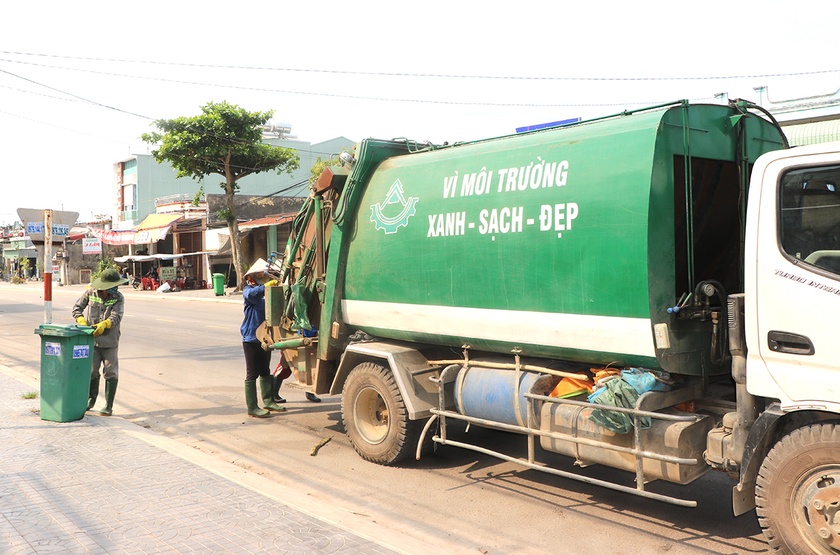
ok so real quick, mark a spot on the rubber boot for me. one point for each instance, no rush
(251, 400)
(94, 391)
(110, 393)
(275, 390)
(267, 389)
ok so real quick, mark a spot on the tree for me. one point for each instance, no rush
(319, 166)
(225, 140)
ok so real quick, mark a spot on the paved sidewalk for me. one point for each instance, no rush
(104, 485)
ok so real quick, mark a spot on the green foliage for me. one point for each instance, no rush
(319, 166)
(102, 265)
(225, 215)
(29, 395)
(225, 140)
(197, 198)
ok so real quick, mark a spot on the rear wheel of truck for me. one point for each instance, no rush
(375, 416)
(798, 492)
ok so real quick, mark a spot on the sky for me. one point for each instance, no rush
(80, 82)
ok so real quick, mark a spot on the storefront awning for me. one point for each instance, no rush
(156, 257)
(157, 221)
(151, 230)
(268, 221)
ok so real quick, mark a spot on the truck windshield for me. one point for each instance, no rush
(810, 216)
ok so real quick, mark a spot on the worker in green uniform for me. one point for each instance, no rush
(102, 306)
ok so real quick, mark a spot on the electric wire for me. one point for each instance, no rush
(424, 75)
(345, 96)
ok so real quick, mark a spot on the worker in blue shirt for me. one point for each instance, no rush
(257, 359)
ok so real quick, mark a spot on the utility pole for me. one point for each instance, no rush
(48, 266)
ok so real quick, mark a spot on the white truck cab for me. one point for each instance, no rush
(792, 278)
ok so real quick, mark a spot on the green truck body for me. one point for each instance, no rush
(567, 243)
(633, 254)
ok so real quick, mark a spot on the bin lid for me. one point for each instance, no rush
(63, 331)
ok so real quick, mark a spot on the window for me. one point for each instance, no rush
(810, 216)
(128, 197)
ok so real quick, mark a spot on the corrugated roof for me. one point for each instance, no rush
(813, 133)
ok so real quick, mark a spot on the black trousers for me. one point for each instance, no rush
(257, 361)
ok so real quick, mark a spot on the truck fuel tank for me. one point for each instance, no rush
(683, 439)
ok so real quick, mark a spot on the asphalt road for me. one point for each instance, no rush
(181, 376)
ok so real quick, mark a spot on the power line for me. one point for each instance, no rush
(346, 96)
(426, 75)
(86, 100)
(123, 143)
(39, 94)
(73, 95)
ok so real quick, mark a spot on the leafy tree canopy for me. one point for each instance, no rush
(225, 140)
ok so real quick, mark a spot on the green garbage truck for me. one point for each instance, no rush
(651, 291)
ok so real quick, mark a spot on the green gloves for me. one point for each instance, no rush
(81, 320)
(100, 328)
(271, 283)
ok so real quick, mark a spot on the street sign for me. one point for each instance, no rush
(92, 245)
(47, 227)
(34, 221)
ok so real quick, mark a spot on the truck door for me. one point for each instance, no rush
(794, 308)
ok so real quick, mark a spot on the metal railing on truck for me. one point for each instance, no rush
(531, 431)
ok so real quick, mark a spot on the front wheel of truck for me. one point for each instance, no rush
(375, 416)
(798, 492)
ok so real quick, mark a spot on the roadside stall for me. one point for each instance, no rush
(154, 273)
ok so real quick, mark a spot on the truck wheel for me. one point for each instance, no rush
(375, 416)
(798, 492)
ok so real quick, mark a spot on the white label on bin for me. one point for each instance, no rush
(81, 351)
(52, 349)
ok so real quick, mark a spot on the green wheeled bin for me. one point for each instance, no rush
(66, 363)
(219, 284)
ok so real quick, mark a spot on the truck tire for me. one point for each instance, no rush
(375, 417)
(798, 492)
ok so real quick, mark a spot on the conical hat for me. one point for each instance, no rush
(257, 268)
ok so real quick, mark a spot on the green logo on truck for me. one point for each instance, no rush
(384, 216)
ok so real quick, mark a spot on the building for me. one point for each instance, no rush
(142, 183)
(805, 121)
(18, 254)
(173, 222)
